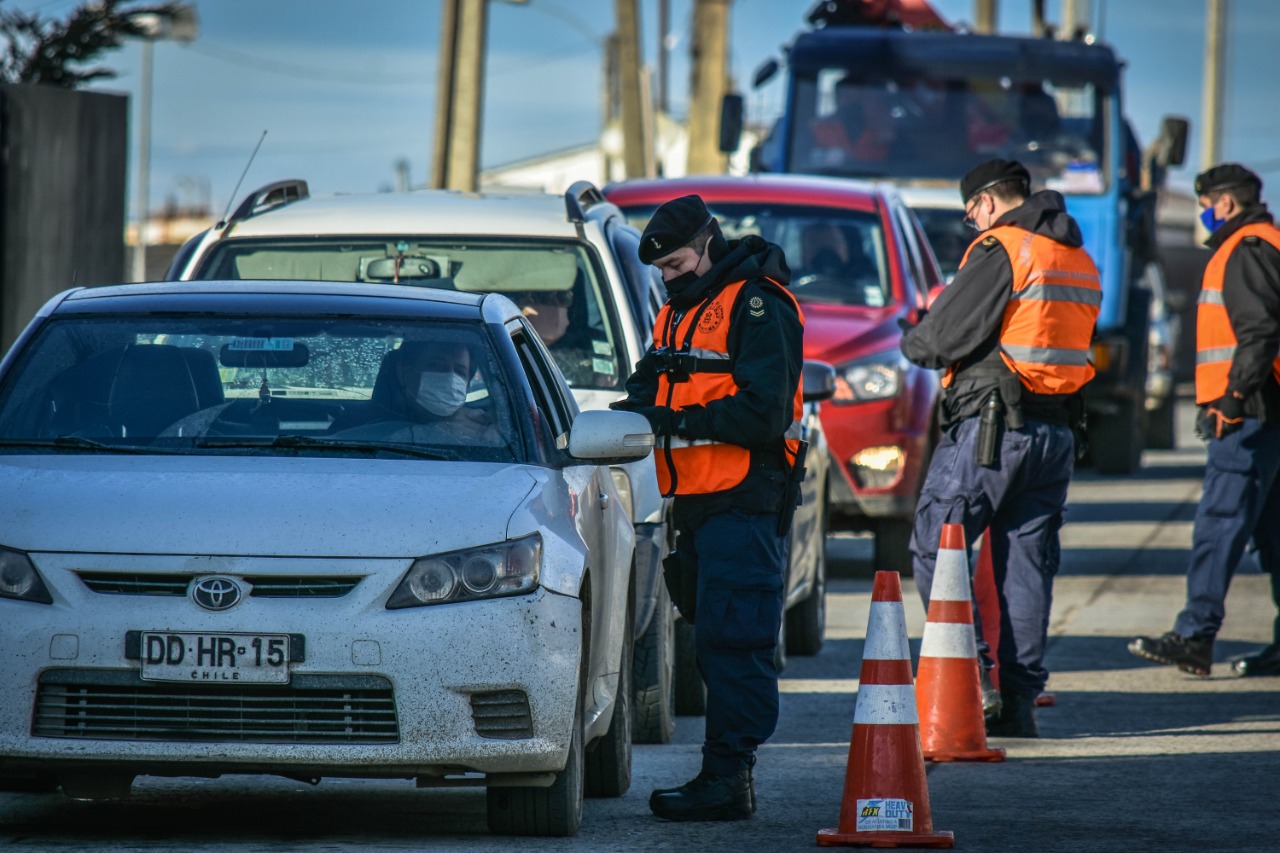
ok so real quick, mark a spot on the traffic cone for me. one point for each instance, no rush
(947, 688)
(886, 797)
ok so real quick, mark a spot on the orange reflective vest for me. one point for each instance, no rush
(699, 343)
(1215, 339)
(1049, 319)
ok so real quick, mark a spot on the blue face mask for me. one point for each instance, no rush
(1210, 219)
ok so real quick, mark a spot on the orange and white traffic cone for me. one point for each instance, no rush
(886, 796)
(947, 688)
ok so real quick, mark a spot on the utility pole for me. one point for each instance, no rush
(1215, 31)
(709, 71)
(636, 150)
(459, 95)
(664, 27)
(985, 15)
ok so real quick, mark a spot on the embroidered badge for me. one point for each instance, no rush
(711, 319)
(654, 242)
(990, 241)
(756, 306)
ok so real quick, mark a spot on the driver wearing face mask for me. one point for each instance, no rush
(426, 401)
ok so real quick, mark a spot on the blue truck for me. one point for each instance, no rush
(919, 108)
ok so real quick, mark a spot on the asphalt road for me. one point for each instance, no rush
(1132, 757)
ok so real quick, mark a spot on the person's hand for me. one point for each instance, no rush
(471, 423)
(905, 325)
(1223, 416)
(662, 419)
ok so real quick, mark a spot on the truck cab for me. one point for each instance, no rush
(921, 108)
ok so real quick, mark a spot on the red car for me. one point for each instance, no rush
(860, 262)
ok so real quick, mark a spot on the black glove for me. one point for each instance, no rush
(626, 404)
(693, 423)
(1222, 417)
(905, 325)
(662, 419)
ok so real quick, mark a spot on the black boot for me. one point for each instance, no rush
(1017, 717)
(1189, 654)
(1264, 662)
(991, 701)
(707, 797)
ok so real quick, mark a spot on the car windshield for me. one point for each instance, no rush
(928, 127)
(555, 283)
(282, 386)
(837, 257)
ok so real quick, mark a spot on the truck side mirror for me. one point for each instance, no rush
(764, 72)
(730, 123)
(1173, 140)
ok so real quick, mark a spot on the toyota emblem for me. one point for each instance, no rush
(216, 593)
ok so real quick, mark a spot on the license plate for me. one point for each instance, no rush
(216, 658)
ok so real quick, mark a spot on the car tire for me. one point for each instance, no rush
(691, 691)
(653, 672)
(554, 811)
(609, 757)
(807, 621)
(893, 545)
(1161, 432)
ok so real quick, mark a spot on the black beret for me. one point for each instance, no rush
(673, 225)
(1224, 176)
(986, 175)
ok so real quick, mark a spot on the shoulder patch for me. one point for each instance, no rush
(989, 242)
(1252, 240)
(755, 306)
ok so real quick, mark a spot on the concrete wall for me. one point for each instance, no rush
(63, 159)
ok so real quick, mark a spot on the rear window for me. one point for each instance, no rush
(555, 283)
(837, 257)
(259, 385)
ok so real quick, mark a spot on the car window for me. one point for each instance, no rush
(547, 392)
(948, 235)
(836, 256)
(556, 283)
(261, 385)
(643, 281)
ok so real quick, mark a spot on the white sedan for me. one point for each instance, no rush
(311, 529)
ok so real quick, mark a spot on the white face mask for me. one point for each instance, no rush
(441, 393)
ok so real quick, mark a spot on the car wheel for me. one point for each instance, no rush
(691, 691)
(893, 545)
(556, 810)
(609, 758)
(653, 671)
(1161, 433)
(807, 621)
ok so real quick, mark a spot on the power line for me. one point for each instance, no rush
(302, 72)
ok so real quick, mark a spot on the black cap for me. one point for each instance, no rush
(673, 225)
(986, 175)
(1224, 176)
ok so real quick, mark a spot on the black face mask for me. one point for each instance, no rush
(681, 283)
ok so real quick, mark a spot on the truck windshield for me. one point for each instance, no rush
(937, 128)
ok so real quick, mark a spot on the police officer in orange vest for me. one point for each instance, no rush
(1238, 392)
(1012, 332)
(721, 387)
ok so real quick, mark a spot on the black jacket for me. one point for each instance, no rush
(963, 327)
(1251, 294)
(765, 349)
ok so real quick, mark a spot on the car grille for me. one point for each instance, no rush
(502, 714)
(118, 705)
(263, 586)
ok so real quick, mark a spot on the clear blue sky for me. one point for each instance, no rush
(346, 89)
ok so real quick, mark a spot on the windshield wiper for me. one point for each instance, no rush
(309, 442)
(75, 442)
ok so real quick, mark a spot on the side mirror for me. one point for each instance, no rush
(764, 72)
(730, 123)
(819, 381)
(610, 438)
(1173, 140)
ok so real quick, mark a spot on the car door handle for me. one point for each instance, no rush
(604, 501)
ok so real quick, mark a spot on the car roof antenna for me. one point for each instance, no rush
(231, 201)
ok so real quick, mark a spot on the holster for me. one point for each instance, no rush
(1079, 422)
(682, 584)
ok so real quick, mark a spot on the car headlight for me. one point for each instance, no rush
(20, 580)
(877, 377)
(488, 572)
(622, 482)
